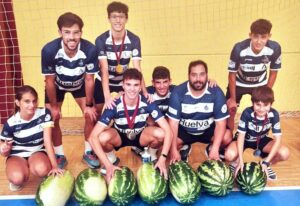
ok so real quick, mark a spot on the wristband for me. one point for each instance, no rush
(164, 155)
(89, 105)
(266, 163)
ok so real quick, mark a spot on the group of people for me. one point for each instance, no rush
(159, 116)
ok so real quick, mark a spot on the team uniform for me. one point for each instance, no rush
(251, 68)
(197, 115)
(254, 127)
(27, 136)
(106, 50)
(162, 102)
(70, 72)
(120, 122)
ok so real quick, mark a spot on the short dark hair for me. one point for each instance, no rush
(196, 63)
(23, 90)
(117, 6)
(262, 94)
(161, 72)
(69, 19)
(261, 26)
(132, 73)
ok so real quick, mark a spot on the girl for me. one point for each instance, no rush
(24, 139)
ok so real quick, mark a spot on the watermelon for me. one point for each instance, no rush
(253, 179)
(122, 187)
(184, 183)
(90, 188)
(152, 186)
(55, 190)
(216, 178)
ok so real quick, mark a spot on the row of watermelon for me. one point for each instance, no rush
(185, 184)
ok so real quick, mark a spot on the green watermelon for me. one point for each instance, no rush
(90, 188)
(184, 183)
(215, 177)
(253, 179)
(122, 187)
(152, 186)
(55, 190)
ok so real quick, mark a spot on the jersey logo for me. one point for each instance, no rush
(224, 108)
(154, 114)
(206, 107)
(135, 52)
(48, 117)
(81, 63)
(277, 126)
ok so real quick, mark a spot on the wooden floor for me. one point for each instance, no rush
(288, 172)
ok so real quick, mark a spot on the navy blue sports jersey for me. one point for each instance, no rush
(254, 128)
(105, 50)
(70, 72)
(27, 135)
(251, 68)
(197, 114)
(118, 115)
(162, 102)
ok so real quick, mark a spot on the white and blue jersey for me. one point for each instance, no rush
(258, 127)
(120, 122)
(197, 114)
(27, 136)
(251, 68)
(162, 102)
(70, 72)
(106, 50)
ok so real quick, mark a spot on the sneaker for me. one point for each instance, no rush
(232, 166)
(91, 160)
(138, 151)
(153, 155)
(14, 187)
(113, 158)
(61, 161)
(221, 152)
(271, 174)
(185, 151)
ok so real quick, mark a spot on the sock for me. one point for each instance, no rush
(59, 150)
(87, 147)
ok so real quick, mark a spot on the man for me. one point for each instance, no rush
(198, 113)
(69, 64)
(129, 114)
(249, 61)
(114, 49)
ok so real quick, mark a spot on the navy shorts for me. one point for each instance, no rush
(98, 92)
(127, 142)
(205, 137)
(263, 142)
(240, 92)
(60, 94)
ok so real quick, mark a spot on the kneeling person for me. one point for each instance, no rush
(129, 129)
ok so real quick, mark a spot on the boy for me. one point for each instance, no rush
(249, 61)
(253, 128)
(130, 115)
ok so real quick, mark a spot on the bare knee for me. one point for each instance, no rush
(230, 155)
(284, 153)
(17, 177)
(40, 169)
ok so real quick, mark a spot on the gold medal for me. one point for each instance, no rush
(119, 69)
(131, 135)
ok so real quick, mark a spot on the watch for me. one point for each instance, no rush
(266, 163)
(89, 105)
(164, 155)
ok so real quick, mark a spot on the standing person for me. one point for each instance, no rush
(198, 113)
(69, 64)
(129, 129)
(26, 141)
(115, 48)
(249, 61)
(253, 129)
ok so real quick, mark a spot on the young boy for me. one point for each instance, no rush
(253, 129)
(130, 115)
(248, 65)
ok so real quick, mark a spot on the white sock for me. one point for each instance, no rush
(111, 156)
(87, 147)
(59, 150)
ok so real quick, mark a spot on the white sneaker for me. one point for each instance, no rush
(14, 187)
(153, 155)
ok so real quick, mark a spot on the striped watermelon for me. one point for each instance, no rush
(184, 183)
(215, 177)
(152, 186)
(122, 187)
(90, 188)
(55, 190)
(253, 179)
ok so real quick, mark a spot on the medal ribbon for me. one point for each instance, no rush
(130, 121)
(116, 50)
(256, 128)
